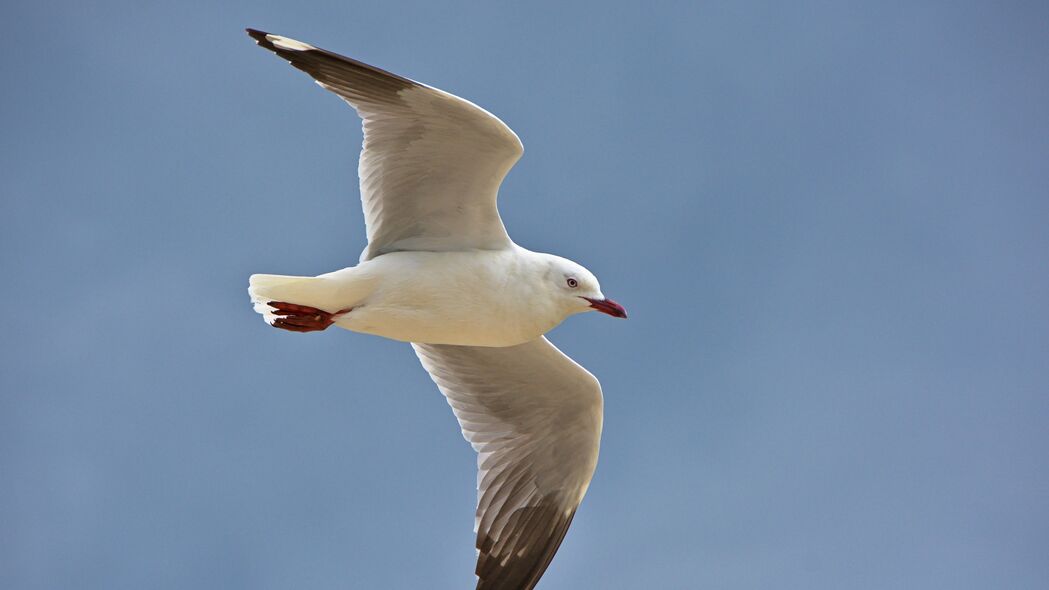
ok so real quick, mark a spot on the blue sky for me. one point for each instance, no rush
(828, 222)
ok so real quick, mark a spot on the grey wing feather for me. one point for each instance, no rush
(534, 417)
(431, 164)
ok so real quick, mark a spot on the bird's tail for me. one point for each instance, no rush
(312, 291)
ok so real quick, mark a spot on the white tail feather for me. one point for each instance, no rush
(330, 292)
(312, 291)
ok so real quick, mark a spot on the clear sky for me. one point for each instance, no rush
(829, 222)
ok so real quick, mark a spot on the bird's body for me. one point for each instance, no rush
(474, 298)
(441, 272)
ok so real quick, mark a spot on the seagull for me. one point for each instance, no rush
(440, 272)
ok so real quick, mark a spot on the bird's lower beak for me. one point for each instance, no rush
(607, 306)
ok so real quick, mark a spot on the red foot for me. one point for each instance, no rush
(303, 318)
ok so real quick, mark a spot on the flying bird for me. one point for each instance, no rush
(440, 272)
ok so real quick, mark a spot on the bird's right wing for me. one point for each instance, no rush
(534, 417)
(432, 162)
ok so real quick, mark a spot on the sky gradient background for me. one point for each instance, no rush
(828, 221)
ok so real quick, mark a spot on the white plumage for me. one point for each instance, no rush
(441, 272)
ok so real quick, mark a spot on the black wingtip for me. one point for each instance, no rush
(260, 38)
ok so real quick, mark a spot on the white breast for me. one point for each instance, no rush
(478, 298)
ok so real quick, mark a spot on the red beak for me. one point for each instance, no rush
(607, 306)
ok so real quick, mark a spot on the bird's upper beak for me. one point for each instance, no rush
(607, 306)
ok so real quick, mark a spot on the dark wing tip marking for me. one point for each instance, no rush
(329, 67)
(260, 38)
(537, 533)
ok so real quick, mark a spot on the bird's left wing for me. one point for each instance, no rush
(534, 417)
(431, 163)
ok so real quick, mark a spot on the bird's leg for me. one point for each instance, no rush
(303, 318)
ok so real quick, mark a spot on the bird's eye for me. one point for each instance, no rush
(572, 282)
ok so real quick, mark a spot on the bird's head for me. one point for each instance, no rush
(577, 290)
